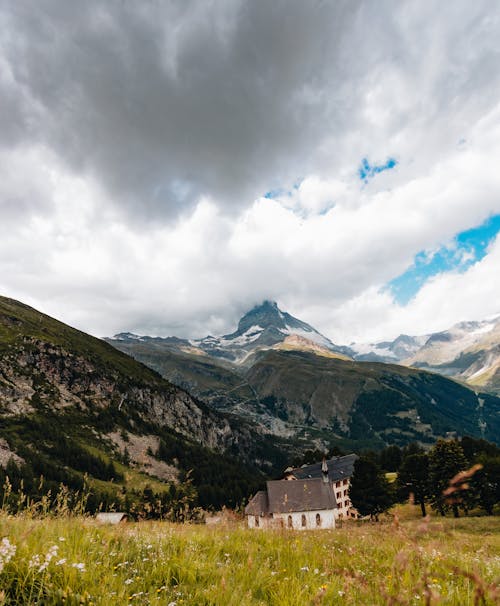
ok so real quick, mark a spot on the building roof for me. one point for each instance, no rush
(338, 468)
(304, 495)
(258, 505)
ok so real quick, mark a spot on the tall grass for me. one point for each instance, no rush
(73, 560)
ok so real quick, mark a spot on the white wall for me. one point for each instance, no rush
(281, 520)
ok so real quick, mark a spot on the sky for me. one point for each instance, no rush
(165, 166)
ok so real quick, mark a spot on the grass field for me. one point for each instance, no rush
(401, 560)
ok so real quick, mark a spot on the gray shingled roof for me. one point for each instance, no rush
(304, 495)
(338, 468)
(258, 505)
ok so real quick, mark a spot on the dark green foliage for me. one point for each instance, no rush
(220, 480)
(474, 447)
(309, 457)
(486, 483)
(370, 492)
(446, 459)
(390, 458)
(413, 478)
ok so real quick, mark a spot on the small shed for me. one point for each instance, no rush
(118, 517)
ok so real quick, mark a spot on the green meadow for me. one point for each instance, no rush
(400, 560)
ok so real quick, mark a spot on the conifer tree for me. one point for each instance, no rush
(446, 459)
(370, 492)
(413, 477)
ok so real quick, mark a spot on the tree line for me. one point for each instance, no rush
(454, 476)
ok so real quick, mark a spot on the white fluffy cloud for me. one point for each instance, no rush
(134, 150)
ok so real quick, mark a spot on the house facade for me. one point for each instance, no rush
(309, 497)
(298, 505)
(340, 470)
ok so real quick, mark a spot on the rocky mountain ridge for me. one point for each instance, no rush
(468, 351)
(60, 386)
(299, 387)
(263, 327)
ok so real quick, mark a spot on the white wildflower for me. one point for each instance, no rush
(61, 562)
(128, 581)
(79, 566)
(35, 561)
(7, 552)
(52, 552)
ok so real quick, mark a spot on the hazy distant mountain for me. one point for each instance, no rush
(469, 351)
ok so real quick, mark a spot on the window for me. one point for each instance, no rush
(290, 522)
(256, 521)
(318, 519)
(304, 521)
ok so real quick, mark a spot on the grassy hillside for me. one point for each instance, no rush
(75, 561)
(72, 405)
(21, 325)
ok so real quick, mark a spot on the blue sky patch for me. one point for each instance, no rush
(367, 171)
(466, 249)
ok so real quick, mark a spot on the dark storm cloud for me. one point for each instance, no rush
(165, 101)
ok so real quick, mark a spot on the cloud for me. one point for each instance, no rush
(444, 300)
(138, 140)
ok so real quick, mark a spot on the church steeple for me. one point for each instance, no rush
(324, 471)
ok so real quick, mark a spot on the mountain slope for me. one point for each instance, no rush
(304, 389)
(372, 402)
(70, 404)
(468, 351)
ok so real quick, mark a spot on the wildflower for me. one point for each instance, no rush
(61, 562)
(7, 552)
(305, 569)
(35, 561)
(52, 552)
(128, 581)
(62, 539)
(80, 566)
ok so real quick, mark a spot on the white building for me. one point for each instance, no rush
(299, 505)
(311, 496)
(340, 470)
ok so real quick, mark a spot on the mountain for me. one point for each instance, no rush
(263, 326)
(468, 351)
(71, 404)
(307, 389)
(401, 348)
